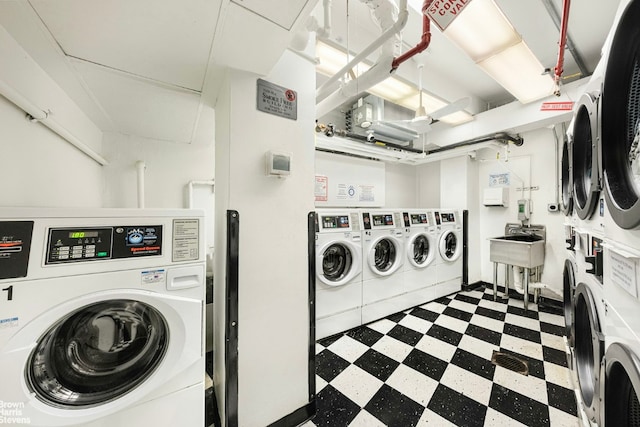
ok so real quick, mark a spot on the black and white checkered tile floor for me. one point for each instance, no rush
(431, 365)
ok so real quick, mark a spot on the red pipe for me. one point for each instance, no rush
(558, 70)
(422, 44)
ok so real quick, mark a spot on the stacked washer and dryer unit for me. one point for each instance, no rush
(606, 303)
(102, 317)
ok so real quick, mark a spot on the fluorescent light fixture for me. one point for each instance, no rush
(484, 33)
(393, 89)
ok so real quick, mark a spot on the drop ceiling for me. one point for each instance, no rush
(147, 67)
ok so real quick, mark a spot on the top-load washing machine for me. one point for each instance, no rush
(338, 271)
(449, 258)
(421, 247)
(102, 317)
(383, 249)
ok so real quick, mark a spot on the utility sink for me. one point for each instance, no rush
(521, 249)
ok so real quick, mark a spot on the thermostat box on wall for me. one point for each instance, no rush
(496, 196)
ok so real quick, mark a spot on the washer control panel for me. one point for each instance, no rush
(77, 244)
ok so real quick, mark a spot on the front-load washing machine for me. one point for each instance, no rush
(589, 314)
(421, 247)
(621, 368)
(338, 271)
(383, 250)
(449, 259)
(567, 172)
(102, 317)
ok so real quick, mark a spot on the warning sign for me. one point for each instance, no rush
(443, 12)
(556, 106)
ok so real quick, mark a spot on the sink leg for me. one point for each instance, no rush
(506, 281)
(495, 281)
(526, 289)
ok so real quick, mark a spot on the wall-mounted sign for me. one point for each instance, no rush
(321, 189)
(557, 106)
(277, 100)
(443, 12)
(499, 179)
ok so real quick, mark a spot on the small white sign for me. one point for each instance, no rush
(321, 190)
(499, 179)
(623, 272)
(443, 12)
(152, 276)
(186, 240)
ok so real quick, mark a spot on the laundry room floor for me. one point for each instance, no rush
(431, 365)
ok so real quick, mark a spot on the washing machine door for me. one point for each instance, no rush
(622, 385)
(589, 350)
(97, 353)
(337, 263)
(586, 180)
(567, 179)
(385, 255)
(569, 286)
(621, 122)
(450, 246)
(420, 250)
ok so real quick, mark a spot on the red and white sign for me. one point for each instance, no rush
(557, 106)
(443, 12)
(321, 189)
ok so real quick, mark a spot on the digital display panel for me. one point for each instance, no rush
(82, 234)
(383, 219)
(337, 221)
(419, 219)
(447, 217)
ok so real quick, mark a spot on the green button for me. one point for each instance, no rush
(102, 254)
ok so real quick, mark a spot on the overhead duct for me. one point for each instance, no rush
(383, 11)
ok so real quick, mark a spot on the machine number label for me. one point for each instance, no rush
(9, 292)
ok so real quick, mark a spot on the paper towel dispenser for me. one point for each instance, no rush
(496, 196)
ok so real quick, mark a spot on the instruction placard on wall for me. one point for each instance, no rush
(321, 189)
(623, 272)
(499, 179)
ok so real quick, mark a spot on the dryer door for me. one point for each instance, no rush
(450, 246)
(337, 263)
(420, 250)
(97, 354)
(586, 180)
(622, 385)
(567, 179)
(569, 285)
(589, 350)
(621, 122)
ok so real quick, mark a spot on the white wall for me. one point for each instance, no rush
(534, 163)
(273, 334)
(169, 168)
(41, 169)
(400, 182)
(428, 185)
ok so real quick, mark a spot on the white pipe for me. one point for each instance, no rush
(399, 24)
(140, 167)
(517, 280)
(380, 71)
(38, 115)
(190, 185)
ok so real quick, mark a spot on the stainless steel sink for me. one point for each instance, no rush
(523, 250)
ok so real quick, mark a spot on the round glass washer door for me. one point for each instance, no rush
(420, 250)
(450, 246)
(621, 122)
(567, 179)
(385, 256)
(585, 162)
(337, 263)
(97, 354)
